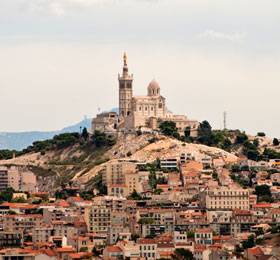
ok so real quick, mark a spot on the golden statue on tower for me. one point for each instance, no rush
(124, 59)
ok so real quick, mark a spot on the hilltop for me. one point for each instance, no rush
(81, 161)
(69, 157)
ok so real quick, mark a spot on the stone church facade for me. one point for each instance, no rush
(140, 112)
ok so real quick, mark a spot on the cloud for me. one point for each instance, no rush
(57, 7)
(210, 34)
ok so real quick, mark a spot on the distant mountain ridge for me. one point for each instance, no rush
(19, 141)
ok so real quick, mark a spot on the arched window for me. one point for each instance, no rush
(146, 108)
(152, 108)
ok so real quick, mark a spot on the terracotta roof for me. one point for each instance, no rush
(201, 230)
(49, 252)
(145, 241)
(166, 253)
(200, 250)
(66, 250)
(256, 251)
(114, 249)
(275, 211)
(262, 205)
(76, 199)
(80, 224)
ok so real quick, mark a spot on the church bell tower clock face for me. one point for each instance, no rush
(125, 90)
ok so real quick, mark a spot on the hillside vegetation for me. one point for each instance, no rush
(75, 157)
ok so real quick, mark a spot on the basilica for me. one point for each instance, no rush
(143, 112)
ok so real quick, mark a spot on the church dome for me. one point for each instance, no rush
(153, 89)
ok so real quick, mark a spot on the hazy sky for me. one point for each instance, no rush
(59, 59)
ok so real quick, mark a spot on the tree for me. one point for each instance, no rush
(134, 196)
(169, 128)
(240, 138)
(249, 243)
(204, 132)
(275, 142)
(84, 249)
(7, 195)
(182, 254)
(19, 200)
(158, 191)
(262, 190)
(85, 133)
(235, 168)
(260, 134)
(187, 131)
(134, 237)
(145, 221)
(190, 234)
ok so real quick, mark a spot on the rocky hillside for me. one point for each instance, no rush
(81, 162)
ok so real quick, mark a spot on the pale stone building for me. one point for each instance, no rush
(222, 198)
(114, 172)
(137, 111)
(17, 178)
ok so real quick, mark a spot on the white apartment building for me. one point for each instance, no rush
(225, 198)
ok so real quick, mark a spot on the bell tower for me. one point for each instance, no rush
(125, 90)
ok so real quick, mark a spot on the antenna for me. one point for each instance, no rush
(225, 120)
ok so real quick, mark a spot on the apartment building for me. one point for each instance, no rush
(17, 178)
(147, 248)
(119, 190)
(11, 239)
(159, 216)
(114, 172)
(42, 234)
(98, 219)
(225, 198)
(169, 163)
(24, 223)
(203, 236)
(132, 182)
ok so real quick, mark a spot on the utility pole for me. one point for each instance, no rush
(225, 120)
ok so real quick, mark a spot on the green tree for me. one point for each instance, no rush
(262, 190)
(169, 128)
(85, 133)
(134, 237)
(190, 234)
(249, 243)
(260, 134)
(235, 168)
(12, 212)
(84, 249)
(240, 138)
(158, 191)
(204, 132)
(134, 196)
(7, 195)
(19, 200)
(275, 142)
(146, 221)
(187, 131)
(182, 254)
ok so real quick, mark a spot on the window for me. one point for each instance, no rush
(160, 105)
